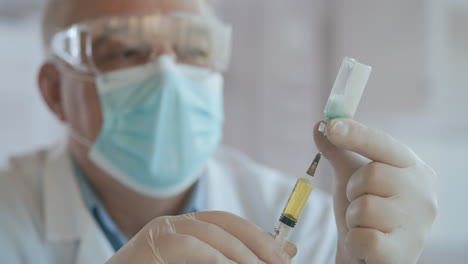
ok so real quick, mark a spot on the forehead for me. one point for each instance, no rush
(89, 9)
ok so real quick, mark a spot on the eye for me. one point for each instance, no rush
(118, 58)
(131, 52)
(191, 52)
(196, 52)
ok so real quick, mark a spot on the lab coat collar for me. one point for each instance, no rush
(62, 202)
(66, 217)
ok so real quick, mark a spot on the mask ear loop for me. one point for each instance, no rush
(79, 138)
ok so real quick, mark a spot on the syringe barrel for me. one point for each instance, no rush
(282, 234)
(298, 199)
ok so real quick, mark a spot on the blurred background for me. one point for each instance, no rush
(285, 58)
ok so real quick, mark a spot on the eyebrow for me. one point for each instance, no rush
(105, 36)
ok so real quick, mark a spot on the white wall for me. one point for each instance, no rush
(274, 92)
(25, 123)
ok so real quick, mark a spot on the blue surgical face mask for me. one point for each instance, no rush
(161, 123)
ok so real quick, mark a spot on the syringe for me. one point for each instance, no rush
(342, 103)
(295, 205)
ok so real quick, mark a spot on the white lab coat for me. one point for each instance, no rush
(43, 218)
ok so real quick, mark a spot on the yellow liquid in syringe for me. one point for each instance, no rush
(298, 199)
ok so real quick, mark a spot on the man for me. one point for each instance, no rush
(143, 180)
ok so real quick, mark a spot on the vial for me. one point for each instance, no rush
(347, 90)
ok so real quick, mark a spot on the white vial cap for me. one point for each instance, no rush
(347, 90)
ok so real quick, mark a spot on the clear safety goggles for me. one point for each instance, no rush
(114, 43)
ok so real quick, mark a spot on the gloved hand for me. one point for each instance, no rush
(205, 238)
(384, 199)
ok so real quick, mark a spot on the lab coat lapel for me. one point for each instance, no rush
(93, 246)
(66, 216)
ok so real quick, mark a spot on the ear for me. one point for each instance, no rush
(49, 86)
